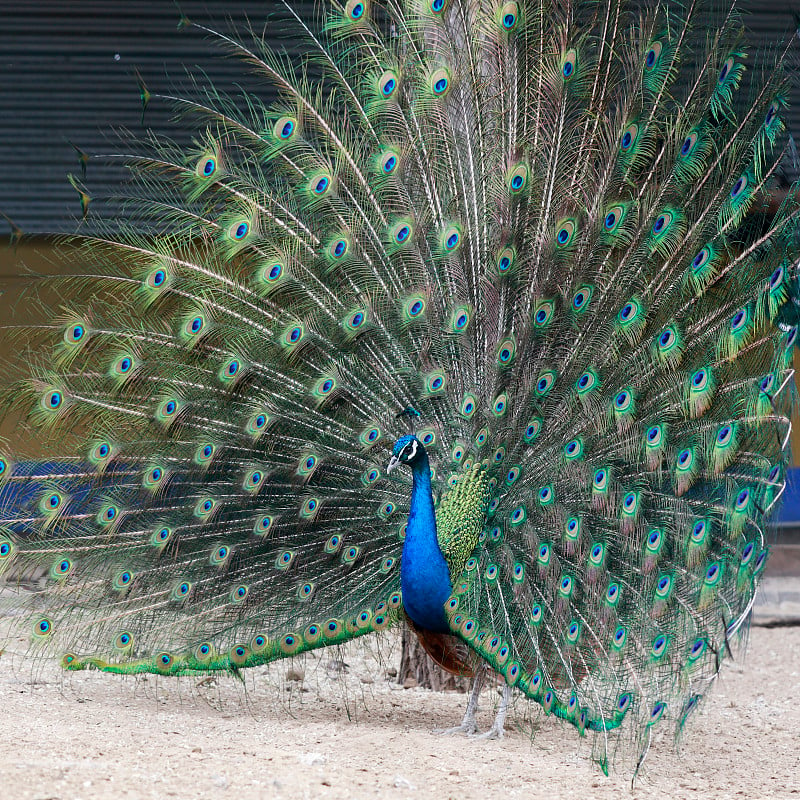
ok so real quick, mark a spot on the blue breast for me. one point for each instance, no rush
(424, 574)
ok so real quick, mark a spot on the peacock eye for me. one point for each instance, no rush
(653, 55)
(739, 187)
(629, 137)
(688, 144)
(726, 70)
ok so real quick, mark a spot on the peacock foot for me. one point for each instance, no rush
(495, 732)
(498, 727)
(469, 727)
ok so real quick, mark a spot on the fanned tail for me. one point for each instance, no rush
(541, 227)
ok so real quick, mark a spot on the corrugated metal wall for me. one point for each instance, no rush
(67, 75)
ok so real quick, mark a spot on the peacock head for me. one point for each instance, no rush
(407, 450)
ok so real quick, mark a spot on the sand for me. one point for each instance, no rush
(351, 732)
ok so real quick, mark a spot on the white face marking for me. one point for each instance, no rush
(409, 455)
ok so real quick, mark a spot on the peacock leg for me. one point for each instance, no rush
(469, 724)
(498, 727)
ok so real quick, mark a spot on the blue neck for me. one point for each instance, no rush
(424, 574)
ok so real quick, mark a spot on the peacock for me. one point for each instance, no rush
(482, 324)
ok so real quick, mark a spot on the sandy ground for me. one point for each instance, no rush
(342, 733)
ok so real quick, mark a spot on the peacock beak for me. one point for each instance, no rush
(394, 462)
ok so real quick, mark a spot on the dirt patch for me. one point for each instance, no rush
(340, 728)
